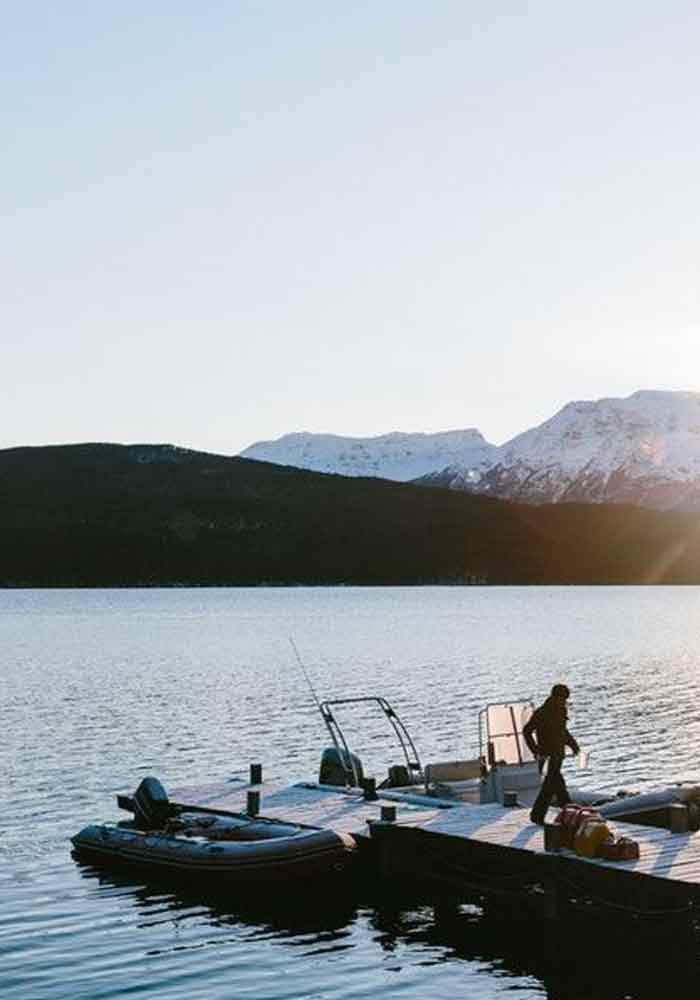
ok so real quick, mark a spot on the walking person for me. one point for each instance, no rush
(546, 735)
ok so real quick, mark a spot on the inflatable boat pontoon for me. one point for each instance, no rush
(181, 841)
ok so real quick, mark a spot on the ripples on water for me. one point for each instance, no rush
(101, 687)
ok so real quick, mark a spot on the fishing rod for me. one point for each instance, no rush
(336, 734)
(306, 675)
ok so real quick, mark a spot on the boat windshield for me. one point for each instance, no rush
(501, 732)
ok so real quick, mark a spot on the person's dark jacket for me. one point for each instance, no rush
(545, 732)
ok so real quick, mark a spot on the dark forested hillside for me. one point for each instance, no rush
(99, 515)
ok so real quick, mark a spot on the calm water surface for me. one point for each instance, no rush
(102, 687)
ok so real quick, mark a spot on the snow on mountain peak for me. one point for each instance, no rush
(642, 449)
(649, 428)
(397, 455)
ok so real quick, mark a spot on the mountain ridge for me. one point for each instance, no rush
(107, 515)
(643, 449)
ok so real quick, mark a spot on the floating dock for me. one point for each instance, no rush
(496, 850)
(485, 850)
(344, 810)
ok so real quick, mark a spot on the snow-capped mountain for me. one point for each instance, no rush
(644, 450)
(398, 456)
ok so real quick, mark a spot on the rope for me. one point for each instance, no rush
(481, 886)
(601, 900)
(467, 876)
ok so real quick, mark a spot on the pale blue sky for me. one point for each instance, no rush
(226, 221)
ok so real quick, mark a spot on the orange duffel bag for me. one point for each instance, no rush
(570, 818)
(590, 836)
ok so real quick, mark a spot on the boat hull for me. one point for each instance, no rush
(310, 854)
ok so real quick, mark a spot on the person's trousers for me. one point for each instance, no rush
(553, 787)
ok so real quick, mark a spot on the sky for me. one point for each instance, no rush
(223, 222)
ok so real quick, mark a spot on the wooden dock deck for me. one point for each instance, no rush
(343, 810)
(487, 849)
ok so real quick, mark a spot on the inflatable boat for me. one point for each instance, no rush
(171, 838)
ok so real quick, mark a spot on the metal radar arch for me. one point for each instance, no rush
(348, 759)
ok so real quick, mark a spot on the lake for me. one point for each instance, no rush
(101, 687)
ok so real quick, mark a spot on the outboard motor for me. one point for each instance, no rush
(399, 776)
(152, 809)
(333, 771)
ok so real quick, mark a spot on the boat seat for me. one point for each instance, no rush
(464, 791)
(453, 771)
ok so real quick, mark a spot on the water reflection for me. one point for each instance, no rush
(581, 957)
(273, 909)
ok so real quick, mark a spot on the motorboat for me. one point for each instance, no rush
(505, 771)
(181, 840)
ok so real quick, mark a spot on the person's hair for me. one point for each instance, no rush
(560, 691)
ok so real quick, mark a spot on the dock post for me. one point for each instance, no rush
(552, 837)
(256, 774)
(678, 814)
(253, 803)
(369, 790)
(383, 849)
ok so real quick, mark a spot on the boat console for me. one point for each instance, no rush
(505, 771)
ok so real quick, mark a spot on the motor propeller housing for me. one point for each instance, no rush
(334, 769)
(152, 808)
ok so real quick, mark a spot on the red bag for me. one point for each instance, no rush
(620, 849)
